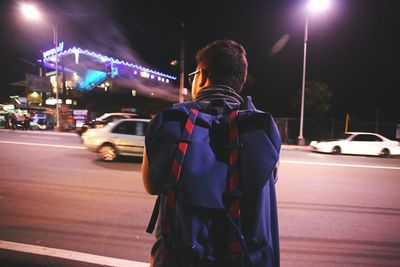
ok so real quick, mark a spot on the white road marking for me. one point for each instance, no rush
(43, 137)
(38, 144)
(282, 161)
(70, 255)
(340, 165)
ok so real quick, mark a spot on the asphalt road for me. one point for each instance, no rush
(333, 210)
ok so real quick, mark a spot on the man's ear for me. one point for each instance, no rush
(204, 78)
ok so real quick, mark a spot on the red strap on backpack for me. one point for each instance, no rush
(166, 227)
(234, 153)
(234, 245)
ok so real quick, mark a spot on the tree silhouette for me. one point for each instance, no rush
(317, 100)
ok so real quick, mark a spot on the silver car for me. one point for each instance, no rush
(124, 137)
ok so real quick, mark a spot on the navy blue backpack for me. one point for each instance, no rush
(215, 168)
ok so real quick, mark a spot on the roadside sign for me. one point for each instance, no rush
(22, 102)
(81, 112)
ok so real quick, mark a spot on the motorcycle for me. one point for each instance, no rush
(23, 125)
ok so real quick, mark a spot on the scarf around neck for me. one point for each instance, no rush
(220, 92)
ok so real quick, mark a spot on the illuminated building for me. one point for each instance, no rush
(99, 83)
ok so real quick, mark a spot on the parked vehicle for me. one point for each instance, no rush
(120, 138)
(41, 122)
(22, 123)
(360, 143)
(105, 119)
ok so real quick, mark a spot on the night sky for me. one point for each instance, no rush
(353, 47)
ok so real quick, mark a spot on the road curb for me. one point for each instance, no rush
(39, 132)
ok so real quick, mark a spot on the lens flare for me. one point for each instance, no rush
(30, 12)
(316, 6)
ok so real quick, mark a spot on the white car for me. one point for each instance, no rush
(124, 137)
(360, 143)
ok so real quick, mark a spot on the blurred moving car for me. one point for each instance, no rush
(360, 143)
(120, 138)
(105, 119)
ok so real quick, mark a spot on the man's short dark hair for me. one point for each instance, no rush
(225, 62)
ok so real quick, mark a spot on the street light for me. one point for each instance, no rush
(32, 13)
(314, 6)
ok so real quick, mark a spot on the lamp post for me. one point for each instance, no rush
(303, 84)
(314, 6)
(31, 12)
(182, 66)
(55, 39)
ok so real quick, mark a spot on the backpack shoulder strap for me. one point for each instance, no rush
(154, 216)
(176, 167)
(183, 143)
(233, 185)
(168, 220)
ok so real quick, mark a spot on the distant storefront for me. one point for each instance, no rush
(90, 83)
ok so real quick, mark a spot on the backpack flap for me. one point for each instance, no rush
(260, 150)
(161, 143)
(200, 162)
(205, 169)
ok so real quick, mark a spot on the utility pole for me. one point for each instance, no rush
(182, 66)
(55, 32)
(300, 139)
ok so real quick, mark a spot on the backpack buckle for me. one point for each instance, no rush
(184, 140)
